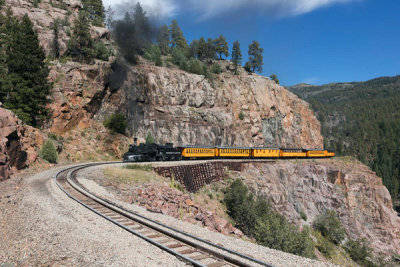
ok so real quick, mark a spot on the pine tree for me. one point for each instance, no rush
(202, 48)
(95, 11)
(109, 17)
(221, 46)
(4, 42)
(56, 44)
(255, 57)
(193, 48)
(163, 39)
(236, 55)
(211, 50)
(80, 46)
(25, 88)
(143, 28)
(177, 38)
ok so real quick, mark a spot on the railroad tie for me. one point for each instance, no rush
(164, 241)
(187, 251)
(200, 257)
(176, 245)
(155, 236)
(216, 264)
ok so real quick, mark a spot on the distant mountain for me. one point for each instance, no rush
(361, 119)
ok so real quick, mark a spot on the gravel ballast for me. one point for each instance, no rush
(40, 225)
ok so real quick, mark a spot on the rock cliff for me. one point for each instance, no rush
(18, 143)
(351, 189)
(184, 108)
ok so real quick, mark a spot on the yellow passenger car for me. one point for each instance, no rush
(197, 152)
(265, 152)
(293, 153)
(233, 152)
(316, 153)
(330, 153)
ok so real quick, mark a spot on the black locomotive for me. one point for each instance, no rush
(151, 152)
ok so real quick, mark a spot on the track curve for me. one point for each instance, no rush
(189, 248)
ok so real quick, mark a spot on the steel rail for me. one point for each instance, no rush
(71, 180)
(161, 246)
(179, 231)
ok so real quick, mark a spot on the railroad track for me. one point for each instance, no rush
(191, 249)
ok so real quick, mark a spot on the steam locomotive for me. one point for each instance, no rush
(156, 152)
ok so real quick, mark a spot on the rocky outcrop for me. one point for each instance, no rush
(18, 143)
(176, 106)
(44, 15)
(76, 86)
(172, 202)
(348, 187)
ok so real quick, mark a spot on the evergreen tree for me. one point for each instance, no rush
(177, 38)
(25, 87)
(4, 42)
(95, 11)
(109, 17)
(143, 28)
(255, 57)
(56, 44)
(194, 48)
(163, 39)
(202, 48)
(236, 55)
(80, 46)
(221, 46)
(211, 50)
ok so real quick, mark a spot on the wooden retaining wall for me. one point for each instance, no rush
(195, 176)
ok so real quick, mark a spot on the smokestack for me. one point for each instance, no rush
(135, 141)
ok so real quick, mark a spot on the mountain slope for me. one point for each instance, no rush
(361, 119)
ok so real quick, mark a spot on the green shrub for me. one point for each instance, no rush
(36, 3)
(48, 152)
(178, 58)
(256, 219)
(325, 246)
(274, 77)
(330, 227)
(303, 215)
(52, 136)
(116, 123)
(241, 115)
(216, 68)
(360, 252)
(101, 51)
(149, 138)
(195, 66)
(154, 54)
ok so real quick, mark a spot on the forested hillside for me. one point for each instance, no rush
(361, 119)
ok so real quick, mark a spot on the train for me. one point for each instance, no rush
(157, 152)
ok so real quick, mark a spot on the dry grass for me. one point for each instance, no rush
(130, 176)
(211, 198)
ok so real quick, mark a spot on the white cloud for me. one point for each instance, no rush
(211, 8)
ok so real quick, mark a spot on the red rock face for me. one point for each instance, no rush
(351, 189)
(18, 144)
(176, 106)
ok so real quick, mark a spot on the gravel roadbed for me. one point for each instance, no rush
(41, 226)
(271, 256)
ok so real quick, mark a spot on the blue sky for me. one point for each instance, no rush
(311, 41)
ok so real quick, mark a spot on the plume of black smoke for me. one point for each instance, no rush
(134, 33)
